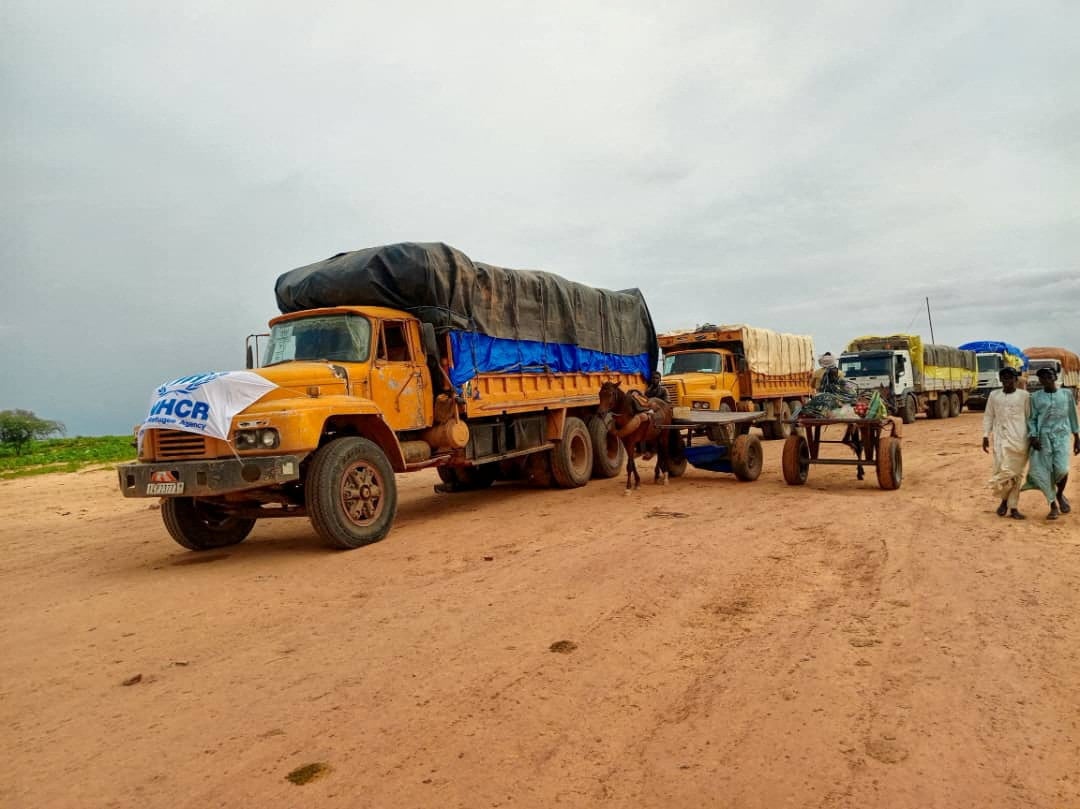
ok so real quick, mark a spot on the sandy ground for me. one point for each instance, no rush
(729, 645)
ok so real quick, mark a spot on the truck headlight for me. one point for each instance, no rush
(257, 439)
(700, 405)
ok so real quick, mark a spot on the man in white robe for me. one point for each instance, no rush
(1005, 419)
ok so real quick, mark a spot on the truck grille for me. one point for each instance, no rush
(178, 444)
(672, 389)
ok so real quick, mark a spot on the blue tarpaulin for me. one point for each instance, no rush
(480, 353)
(996, 347)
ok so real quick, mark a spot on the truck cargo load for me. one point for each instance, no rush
(917, 377)
(739, 367)
(1063, 361)
(498, 320)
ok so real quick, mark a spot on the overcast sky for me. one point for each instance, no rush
(817, 168)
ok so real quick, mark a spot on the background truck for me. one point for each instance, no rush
(1066, 363)
(739, 368)
(916, 378)
(990, 357)
(395, 359)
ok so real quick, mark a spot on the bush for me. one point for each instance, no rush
(19, 427)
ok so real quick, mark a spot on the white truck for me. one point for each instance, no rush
(991, 356)
(1064, 363)
(914, 378)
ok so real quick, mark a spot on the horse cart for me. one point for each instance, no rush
(874, 442)
(730, 447)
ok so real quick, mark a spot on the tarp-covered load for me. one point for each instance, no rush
(767, 352)
(935, 365)
(1069, 361)
(499, 320)
(1013, 356)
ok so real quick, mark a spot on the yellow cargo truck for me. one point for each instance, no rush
(349, 395)
(739, 368)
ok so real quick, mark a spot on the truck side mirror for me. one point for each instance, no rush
(250, 357)
(431, 344)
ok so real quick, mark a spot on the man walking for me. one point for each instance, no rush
(1006, 419)
(1053, 417)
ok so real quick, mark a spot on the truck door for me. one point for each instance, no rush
(397, 379)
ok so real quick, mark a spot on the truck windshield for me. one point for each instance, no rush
(1035, 365)
(346, 338)
(866, 366)
(704, 362)
(989, 362)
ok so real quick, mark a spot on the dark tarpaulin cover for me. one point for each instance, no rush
(948, 357)
(499, 319)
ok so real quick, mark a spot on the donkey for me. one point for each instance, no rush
(636, 418)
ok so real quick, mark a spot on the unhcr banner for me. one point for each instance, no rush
(204, 403)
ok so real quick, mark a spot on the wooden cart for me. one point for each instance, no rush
(729, 449)
(879, 440)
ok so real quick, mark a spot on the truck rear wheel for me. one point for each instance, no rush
(890, 463)
(572, 458)
(779, 430)
(796, 460)
(609, 457)
(200, 526)
(351, 493)
(746, 457)
(939, 408)
(954, 405)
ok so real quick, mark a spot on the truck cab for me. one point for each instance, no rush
(706, 378)
(886, 370)
(989, 366)
(1033, 382)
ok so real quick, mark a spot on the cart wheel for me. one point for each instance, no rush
(746, 457)
(796, 461)
(890, 463)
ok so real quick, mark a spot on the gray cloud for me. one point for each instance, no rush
(812, 169)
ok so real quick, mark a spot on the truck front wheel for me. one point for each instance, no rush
(201, 526)
(609, 457)
(351, 493)
(909, 410)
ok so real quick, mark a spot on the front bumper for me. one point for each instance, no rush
(205, 478)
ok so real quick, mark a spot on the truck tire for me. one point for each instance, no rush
(939, 408)
(796, 460)
(676, 455)
(537, 470)
(200, 526)
(954, 405)
(609, 457)
(909, 410)
(746, 457)
(351, 493)
(778, 430)
(572, 458)
(890, 463)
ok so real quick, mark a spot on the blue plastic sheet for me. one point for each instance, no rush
(996, 347)
(479, 353)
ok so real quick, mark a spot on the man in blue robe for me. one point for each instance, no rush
(1053, 418)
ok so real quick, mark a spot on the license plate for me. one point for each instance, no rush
(165, 488)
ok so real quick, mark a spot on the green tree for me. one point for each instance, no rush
(19, 427)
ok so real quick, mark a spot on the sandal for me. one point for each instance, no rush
(1064, 503)
(1003, 509)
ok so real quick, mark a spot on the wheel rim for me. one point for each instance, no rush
(579, 454)
(361, 494)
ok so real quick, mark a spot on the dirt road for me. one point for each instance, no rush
(718, 644)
